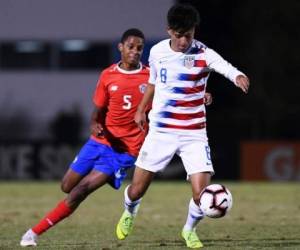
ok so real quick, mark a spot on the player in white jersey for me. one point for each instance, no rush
(179, 69)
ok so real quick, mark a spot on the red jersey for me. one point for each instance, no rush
(120, 92)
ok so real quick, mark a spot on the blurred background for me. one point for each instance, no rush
(52, 52)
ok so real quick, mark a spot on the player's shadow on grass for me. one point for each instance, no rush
(160, 243)
(227, 243)
(259, 243)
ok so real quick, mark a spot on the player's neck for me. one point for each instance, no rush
(176, 49)
(129, 67)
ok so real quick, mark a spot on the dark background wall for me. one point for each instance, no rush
(262, 39)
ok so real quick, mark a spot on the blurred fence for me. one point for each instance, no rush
(40, 160)
(250, 161)
(45, 160)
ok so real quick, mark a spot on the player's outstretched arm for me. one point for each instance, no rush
(243, 83)
(140, 115)
(218, 64)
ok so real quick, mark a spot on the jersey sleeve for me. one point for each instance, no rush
(152, 70)
(217, 63)
(100, 98)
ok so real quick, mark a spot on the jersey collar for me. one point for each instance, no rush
(130, 71)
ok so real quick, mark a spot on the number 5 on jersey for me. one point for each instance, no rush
(127, 102)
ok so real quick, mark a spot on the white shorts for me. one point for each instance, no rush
(159, 148)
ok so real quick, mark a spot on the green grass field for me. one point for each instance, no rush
(264, 216)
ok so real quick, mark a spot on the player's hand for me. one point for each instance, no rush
(140, 119)
(208, 98)
(97, 130)
(243, 83)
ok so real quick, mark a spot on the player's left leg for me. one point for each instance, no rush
(70, 180)
(82, 165)
(198, 181)
(86, 186)
(195, 154)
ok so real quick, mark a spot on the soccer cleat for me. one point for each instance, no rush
(124, 226)
(29, 239)
(191, 239)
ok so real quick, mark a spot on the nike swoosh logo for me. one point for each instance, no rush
(162, 61)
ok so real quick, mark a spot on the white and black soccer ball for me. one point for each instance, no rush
(215, 201)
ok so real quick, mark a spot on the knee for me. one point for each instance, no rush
(65, 187)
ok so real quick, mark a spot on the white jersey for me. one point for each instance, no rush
(180, 82)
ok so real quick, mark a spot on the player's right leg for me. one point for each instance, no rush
(132, 198)
(62, 210)
(80, 167)
(154, 156)
(87, 185)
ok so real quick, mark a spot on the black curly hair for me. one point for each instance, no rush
(132, 32)
(182, 17)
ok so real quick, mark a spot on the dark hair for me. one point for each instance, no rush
(132, 32)
(182, 17)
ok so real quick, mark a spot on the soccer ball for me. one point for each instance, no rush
(215, 201)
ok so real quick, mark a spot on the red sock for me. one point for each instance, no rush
(54, 216)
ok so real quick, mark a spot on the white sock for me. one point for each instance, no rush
(131, 207)
(194, 216)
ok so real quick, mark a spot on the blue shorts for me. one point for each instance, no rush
(96, 156)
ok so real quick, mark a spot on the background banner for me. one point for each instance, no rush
(276, 161)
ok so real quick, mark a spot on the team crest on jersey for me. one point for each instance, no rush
(189, 61)
(142, 88)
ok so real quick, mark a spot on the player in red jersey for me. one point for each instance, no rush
(115, 139)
